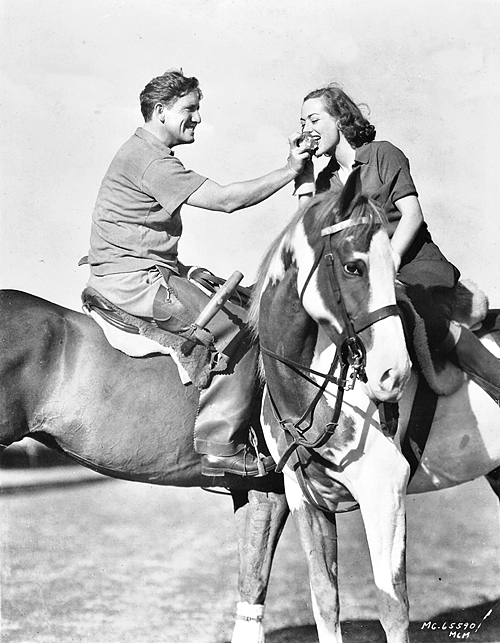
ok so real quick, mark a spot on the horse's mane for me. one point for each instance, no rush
(322, 210)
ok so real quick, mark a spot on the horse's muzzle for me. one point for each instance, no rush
(390, 385)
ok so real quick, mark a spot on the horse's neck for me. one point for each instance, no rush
(286, 329)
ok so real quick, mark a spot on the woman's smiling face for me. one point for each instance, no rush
(320, 124)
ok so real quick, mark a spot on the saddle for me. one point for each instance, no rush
(195, 367)
(196, 358)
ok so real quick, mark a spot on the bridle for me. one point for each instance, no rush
(350, 354)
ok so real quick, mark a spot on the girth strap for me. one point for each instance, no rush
(419, 424)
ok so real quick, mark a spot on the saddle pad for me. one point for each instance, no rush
(198, 364)
(136, 345)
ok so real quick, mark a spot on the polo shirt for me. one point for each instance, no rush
(380, 162)
(136, 223)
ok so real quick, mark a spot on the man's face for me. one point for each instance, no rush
(181, 119)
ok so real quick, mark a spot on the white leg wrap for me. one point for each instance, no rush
(248, 626)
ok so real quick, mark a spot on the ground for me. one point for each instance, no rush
(120, 562)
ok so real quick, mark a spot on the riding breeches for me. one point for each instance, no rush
(430, 281)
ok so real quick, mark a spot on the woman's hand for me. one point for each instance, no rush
(304, 183)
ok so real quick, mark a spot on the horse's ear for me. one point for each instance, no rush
(352, 189)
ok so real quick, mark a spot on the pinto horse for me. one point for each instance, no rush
(325, 290)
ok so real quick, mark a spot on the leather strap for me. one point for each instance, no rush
(419, 424)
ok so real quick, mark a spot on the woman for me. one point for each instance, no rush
(339, 130)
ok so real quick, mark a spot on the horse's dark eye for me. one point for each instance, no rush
(353, 268)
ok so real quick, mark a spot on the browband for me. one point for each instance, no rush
(333, 229)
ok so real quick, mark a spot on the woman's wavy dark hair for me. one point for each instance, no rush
(355, 127)
(166, 89)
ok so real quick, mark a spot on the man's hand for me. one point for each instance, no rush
(298, 154)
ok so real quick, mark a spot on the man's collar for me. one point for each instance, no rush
(154, 141)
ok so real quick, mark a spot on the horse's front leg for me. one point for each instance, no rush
(318, 535)
(260, 518)
(381, 495)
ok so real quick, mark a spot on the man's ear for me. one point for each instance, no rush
(159, 112)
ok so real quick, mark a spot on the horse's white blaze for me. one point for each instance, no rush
(387, 363)
(312, 300)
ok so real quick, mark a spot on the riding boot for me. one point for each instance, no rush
(477, 361)
(222, 428)
(223, 423)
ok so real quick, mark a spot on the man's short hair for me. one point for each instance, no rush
(166, 89)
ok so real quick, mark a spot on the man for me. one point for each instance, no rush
(136, 227)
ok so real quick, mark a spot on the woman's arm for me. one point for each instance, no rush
(408, 226)
(304, 183)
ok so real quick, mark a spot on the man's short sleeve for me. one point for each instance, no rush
(390, 161)
(170, 183)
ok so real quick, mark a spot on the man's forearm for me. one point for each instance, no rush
(246, 193)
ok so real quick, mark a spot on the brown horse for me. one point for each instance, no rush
(62, 384)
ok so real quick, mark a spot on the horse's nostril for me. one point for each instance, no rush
(389, 378)
(393, 379)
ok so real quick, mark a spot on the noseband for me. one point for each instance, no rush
(351, 354)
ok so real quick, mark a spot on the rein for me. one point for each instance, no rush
(351, 355)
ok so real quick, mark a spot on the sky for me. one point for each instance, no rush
(71, 72)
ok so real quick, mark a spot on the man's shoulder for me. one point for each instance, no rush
(144, 146)
(139, 153)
